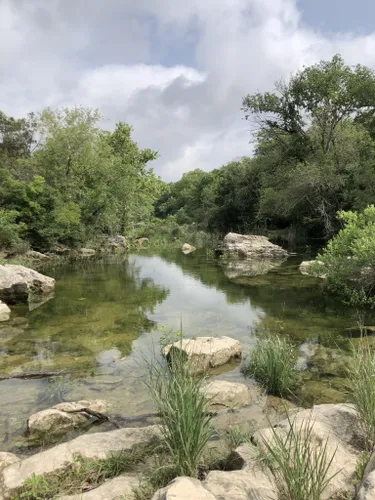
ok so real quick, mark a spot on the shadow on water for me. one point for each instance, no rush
(106, 316)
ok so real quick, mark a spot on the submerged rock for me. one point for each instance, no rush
(305, 269)
(20, 284)
(249, 267)
(204, 353)
(4, 312)
(227, 394)
(186, 248)
(58, 420)
(249, 245)
(62, 456)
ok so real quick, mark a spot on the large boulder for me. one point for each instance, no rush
(117, 243)
(186, 248)
(336, 425)
(20, 284)
(59, 419)
(224, 394)
(119, 488)
(184, 488)
(204, 353)
(4, 312)
(59, 458)
(7, 459)
(251, 246)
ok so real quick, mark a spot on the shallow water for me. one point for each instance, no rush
(107, 317)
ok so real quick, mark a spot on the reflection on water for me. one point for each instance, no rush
(106, 317)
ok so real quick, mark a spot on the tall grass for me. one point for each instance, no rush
(272, 364)
(361, 374)
(300, 467)
(182, 404)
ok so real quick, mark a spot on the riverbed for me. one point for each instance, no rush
(107, 318)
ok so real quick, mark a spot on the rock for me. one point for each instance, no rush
(247, 268)
(207, 352)
(186, 248)
(304, 269)
(87, 252)
(4, 312)
(114, 489)
(227, 394)
(117, 243)
(248, 246)
(254, 484)
(7, 459)
(20, 284)
(184, 488)
(338, 424)
(57, 420)
(32, 254)
(141, 241)
(366, 490)
(60, 457)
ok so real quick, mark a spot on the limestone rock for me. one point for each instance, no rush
(207, 352)
(115, 489)
(305, 269)
(117, 243)
(32, 254)
(4, 312)
(186, 248)
(7, 459)
(246, 484)
(338, 424)
(20, 284)
(141, 241)
(227, 394)
(58, 458)
(366, 490)
(87, 252)
(248, 246)
(184, 488)
(57, 420)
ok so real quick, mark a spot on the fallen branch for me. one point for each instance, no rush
(96, 414)
(33, 375)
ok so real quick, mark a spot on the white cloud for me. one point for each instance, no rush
(128, 59)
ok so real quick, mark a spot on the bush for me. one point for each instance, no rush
(272, 364)
(348, 261)
(182, 404)
(361, 375)
(10, 231)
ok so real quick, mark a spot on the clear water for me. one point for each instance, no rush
(106, 319)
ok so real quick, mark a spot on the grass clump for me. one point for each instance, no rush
(272, 363)
(300, 467)
(182, 403)
(361, 374)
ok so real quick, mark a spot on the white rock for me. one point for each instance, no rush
(121, 487)
(19, 283)
(246, 484)
(4, 312)
(57, 420)
(227, 394)
(207, 352)
(184, 488)
(366, 490)
(58, 458)
(249, 245)
(186, 248)
(7, 459)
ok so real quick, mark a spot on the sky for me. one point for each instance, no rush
(176, 70)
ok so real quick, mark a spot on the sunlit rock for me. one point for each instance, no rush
(226, 394)
(20, 284)
(186, 248)
(249, 245)
(4, 312)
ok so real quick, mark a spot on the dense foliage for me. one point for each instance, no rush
(314, 156)
(64, 180)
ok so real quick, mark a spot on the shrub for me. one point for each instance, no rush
(361, 374)
(272, 364)
(348, 261)
(182, 404)
(10, 231)
(300, 467)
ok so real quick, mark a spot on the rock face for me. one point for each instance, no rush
(20, 284)
(4, 312)
(204, 353)
(186, 248)
(304, 269)
(7, 459)
(249, 246)
(87, 252)
(58, 458)
(57, 420)
(184, 488)
(227, 394)
(115, 489)
(338, 424)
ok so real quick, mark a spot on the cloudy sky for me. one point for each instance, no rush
(174, 69)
